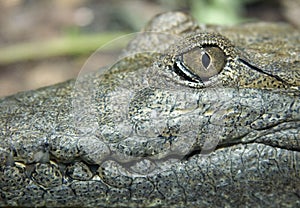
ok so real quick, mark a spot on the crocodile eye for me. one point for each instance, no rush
(200, 64)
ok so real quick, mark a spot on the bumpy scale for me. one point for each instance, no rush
(191, 116)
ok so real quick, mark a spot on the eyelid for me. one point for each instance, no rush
(185, 73)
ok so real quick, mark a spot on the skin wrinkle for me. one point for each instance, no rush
(139, 135)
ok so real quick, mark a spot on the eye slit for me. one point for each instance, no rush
(205, 60)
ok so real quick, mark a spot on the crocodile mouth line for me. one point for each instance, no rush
(200, 151)
(255, 140)
(196, 150)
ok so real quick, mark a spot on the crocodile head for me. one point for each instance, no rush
(191, 115)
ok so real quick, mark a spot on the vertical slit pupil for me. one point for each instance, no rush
(205, 60)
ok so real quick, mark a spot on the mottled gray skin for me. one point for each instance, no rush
(144, 134)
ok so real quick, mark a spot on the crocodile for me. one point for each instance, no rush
(190, 115)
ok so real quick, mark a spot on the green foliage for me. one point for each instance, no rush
(61, 46)
(221, 12)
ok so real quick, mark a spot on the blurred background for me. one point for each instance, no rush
(46, 42)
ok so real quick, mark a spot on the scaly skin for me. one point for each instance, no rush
(156, 130)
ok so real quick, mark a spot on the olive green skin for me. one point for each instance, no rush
(143, 133)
